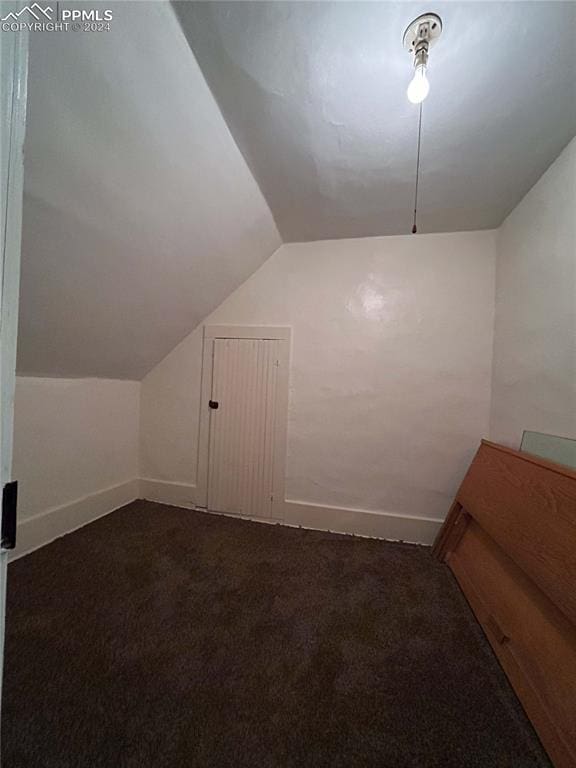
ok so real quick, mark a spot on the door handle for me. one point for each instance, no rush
(213, 404)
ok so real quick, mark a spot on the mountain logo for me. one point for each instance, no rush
(32, 10)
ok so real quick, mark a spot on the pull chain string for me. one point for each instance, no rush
(414, 227)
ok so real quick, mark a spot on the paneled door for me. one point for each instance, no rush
(247, 414)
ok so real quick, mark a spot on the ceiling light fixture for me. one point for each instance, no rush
(418, 38)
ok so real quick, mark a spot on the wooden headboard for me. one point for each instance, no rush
(510, 540)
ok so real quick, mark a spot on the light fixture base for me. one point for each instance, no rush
(426, 27)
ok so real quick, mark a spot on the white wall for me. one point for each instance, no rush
(75, 452)
(390, 375)
(534, 371)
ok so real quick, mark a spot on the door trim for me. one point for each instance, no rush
(264, 332)
(14, 79)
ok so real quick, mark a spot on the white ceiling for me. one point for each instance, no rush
(140, 214)
(315, 96)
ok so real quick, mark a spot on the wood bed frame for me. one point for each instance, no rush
(510, 540)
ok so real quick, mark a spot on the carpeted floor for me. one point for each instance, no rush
(161, 637)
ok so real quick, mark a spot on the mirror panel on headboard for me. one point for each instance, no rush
(561, 450)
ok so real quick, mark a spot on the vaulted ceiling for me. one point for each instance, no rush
(315, 96)
(145, 205)
(140, 214)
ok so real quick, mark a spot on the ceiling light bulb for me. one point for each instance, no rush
(419, 86)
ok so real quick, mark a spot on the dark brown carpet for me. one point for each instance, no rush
(161, 637)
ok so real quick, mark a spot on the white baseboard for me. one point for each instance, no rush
(359, 522)
(164, 492)
(362, 522)
(35, 532)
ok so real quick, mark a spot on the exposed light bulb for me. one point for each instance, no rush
(419, 85)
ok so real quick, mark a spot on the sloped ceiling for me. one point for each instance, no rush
(140, 214)
(315, 95)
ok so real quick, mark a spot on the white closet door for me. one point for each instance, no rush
(245, 387)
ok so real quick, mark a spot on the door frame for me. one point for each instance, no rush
(14, 80)
(261, 332)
